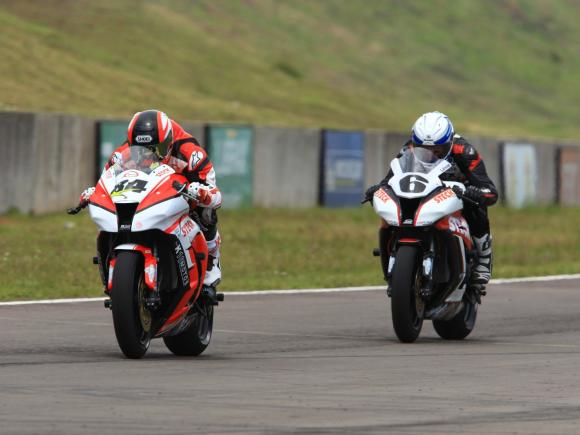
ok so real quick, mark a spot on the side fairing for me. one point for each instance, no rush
(158, 215)
(441, 205)
(104, 219)
(386, 207)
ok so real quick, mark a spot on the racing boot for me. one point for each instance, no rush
(482, 272)
(213, 273)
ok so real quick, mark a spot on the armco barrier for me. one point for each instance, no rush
(342, 173)
(230, 148)
(50, 159)
(286, 162)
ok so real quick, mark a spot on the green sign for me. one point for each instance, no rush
(230, 150)
(112, 134)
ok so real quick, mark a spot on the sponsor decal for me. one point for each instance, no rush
(195, 158)
(382, 195)
(182, 264)
(187, 228)
(130, 174)
(459, 226)
(144, 138)
(163, 172)
(446, 194)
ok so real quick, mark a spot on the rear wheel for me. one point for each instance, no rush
(407, 307)
(132, 321)
(459, 326)
(195, 339)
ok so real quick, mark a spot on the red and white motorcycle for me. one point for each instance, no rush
(152, 256)
(426, 249)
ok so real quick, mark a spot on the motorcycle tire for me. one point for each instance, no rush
(407, 321)
(195, 339)
(132, 322)
(459, 326)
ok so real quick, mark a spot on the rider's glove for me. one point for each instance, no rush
(86, 195)
(474, 193)
(199, 193)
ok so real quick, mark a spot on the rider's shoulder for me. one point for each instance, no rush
(461, 147)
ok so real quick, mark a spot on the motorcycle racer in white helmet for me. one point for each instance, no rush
(434, 132)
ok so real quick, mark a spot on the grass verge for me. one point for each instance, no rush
(50, 256)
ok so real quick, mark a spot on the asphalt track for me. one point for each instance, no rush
(312, 363)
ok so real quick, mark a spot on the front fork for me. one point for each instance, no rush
(388, 250)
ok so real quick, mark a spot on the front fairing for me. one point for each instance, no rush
(150, 189)
(417, 180)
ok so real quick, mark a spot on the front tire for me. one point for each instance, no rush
(195, 339)
(132, 321)
(459, 326)
(407, 307)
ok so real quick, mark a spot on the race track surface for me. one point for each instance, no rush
(308, 363)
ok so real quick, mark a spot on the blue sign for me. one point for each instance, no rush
(342, 183)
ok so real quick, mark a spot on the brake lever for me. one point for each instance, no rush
(75, 210)
(181, 190)
(460, 195)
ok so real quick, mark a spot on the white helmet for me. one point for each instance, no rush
(432, 128)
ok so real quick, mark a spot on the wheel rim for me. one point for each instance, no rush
(418, 304)
(205, 324)
(145, 319)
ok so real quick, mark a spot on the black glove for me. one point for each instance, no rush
(474, 193)
(370, 192)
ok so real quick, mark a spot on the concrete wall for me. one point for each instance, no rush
(50, 158)
(286, 167)
(47, 159)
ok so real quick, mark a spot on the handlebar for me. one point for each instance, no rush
(182, 190)
(77, 209)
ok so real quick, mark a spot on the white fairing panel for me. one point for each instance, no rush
(105, 220)
(438, 207)
(386, 207)
(416, 184)
(160, 215)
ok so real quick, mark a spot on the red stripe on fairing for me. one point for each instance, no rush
(199, 246)
(409, 240)
(101, 198)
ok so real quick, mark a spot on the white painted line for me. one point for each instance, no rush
(303, 291)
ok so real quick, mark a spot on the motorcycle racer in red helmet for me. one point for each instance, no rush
(152, 131)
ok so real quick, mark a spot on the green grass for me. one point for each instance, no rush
(50, 256)
(497, 67)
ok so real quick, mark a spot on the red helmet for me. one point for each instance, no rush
(151, 129)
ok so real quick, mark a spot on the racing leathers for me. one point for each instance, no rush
(469, 168)
(187, 157)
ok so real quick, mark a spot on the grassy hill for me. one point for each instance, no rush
(502, 67)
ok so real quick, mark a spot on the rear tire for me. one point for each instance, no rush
(405, 302)
(459, 326)
(195, 339)
(131, 320)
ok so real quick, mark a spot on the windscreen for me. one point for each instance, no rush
(416, 159)
(138, 158)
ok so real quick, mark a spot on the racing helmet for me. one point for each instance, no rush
(433, 131)
(151, 129)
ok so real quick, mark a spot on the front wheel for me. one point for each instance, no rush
(132, 321)
(407, 307)
(195, 339)
(459, 326)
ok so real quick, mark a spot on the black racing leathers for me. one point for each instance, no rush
(468, 168)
